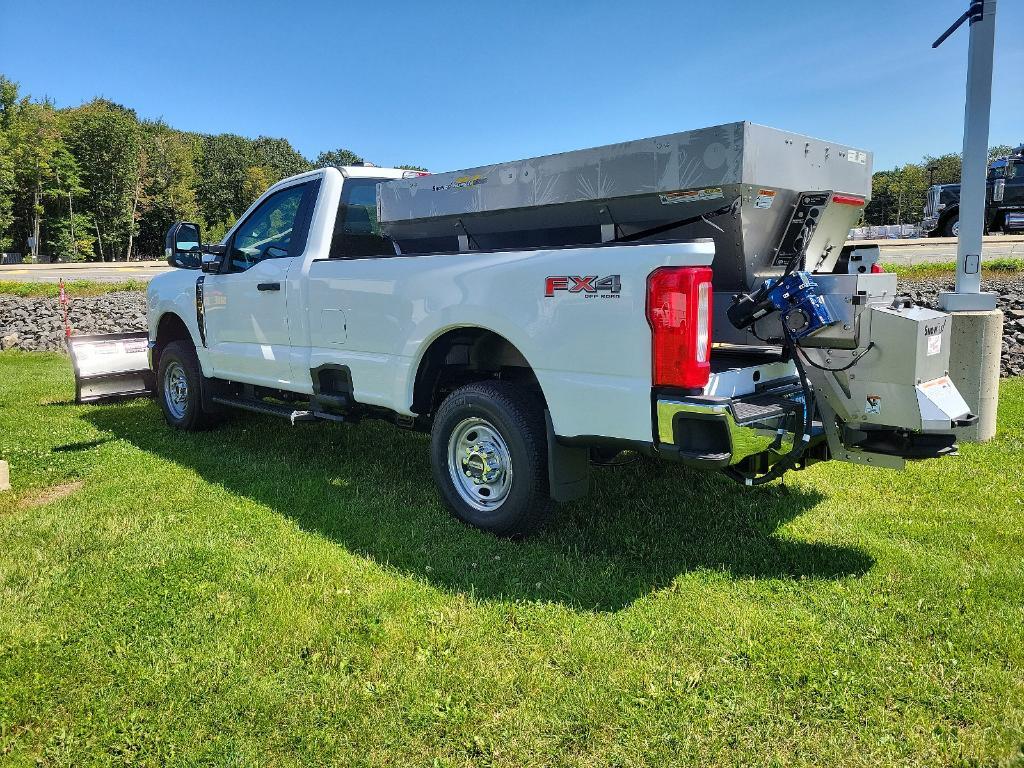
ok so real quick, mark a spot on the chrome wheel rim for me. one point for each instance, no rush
(956, 229)
(480, 464)
(175, 390)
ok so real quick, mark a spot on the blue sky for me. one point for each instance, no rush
(456, 84)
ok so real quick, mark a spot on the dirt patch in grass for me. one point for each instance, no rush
(47, 495)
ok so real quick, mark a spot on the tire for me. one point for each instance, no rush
(951, 226)
(489, 457)
(178, 387)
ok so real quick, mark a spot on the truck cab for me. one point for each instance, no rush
(1004, 199)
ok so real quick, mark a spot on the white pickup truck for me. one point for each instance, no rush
(525, 365)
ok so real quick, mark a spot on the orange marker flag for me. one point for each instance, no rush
(64, 305)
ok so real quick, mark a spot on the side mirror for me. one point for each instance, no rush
(182, 246)
(212, 256)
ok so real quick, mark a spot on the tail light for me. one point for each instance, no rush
(679, 312)
(876, 269)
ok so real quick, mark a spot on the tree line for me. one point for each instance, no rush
(898, 196)
(96, 183)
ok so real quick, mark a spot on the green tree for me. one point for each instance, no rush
(224, 171)
(336, 157)
(8, 186)
(279, 158)
(257, 180)
(106, 139)
(72, 237)
(999, 150)
(45, 173)
(168, 190)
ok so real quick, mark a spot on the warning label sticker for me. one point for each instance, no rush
(691, 196)
(943, 394)
(856, 156)
(934, 344)
(940, 383)
(873, 405)
(765, 198)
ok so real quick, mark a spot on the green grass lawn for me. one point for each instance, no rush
(72, 287)
(1002, 266)
(274, 595)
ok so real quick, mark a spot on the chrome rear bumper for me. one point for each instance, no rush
(717, 432)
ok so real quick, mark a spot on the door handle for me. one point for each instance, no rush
(268, 287)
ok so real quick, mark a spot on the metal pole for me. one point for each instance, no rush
(968, 295)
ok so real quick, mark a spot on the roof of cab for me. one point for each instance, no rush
(371, 171)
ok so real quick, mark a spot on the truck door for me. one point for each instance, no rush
(246, 305)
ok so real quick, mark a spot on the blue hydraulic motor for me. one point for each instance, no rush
(794, 296)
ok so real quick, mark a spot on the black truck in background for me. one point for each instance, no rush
(1004, 200)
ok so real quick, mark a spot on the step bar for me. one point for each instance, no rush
(293, 415)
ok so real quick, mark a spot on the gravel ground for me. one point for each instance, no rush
(36, 324)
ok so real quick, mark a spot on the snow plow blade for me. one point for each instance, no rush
(111, 366)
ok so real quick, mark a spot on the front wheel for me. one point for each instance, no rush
(178, 387)
(488, 451)
(952, 226)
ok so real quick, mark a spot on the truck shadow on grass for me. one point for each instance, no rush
(369, 488)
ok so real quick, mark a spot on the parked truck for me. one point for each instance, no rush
(1004, 200)
(686, 297)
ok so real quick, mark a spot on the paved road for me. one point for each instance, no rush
(893, 252)
(106, 273)
(944, 249)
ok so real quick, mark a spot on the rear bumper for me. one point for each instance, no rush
(717, 432)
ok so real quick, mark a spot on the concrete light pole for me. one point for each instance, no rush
(977, 324)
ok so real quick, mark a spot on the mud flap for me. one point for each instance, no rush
(568, 468)
(111, 365)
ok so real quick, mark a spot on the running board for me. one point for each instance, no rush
(269, 409)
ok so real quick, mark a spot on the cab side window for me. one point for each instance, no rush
(357, 234)
(277, 229)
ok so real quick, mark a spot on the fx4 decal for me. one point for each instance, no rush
(589, 285)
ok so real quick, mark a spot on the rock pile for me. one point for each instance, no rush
(37, 324)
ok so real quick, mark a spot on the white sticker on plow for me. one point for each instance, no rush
(934, 344)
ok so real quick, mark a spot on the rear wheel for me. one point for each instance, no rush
(489, 458)
(179, 381)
